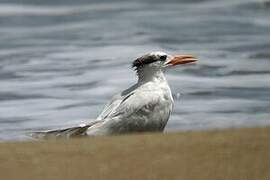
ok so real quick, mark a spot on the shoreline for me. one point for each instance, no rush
(205, 155)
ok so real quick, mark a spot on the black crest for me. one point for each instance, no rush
(146, 59)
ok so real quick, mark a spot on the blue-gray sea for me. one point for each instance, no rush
(62, 60)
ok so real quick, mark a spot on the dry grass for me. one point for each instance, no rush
(239, 154)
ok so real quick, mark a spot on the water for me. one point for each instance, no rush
(61, 61)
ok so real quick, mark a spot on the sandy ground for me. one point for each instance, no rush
(239, 154)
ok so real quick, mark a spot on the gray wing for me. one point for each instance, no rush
(110, 107)
(128, 113)
(135, 102)
(116, 101)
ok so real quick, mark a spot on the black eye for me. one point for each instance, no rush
(163, 57)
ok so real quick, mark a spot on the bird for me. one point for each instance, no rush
(144, 107)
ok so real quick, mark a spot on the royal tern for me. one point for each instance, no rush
(144, 107)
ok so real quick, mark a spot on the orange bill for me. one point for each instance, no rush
(182, 59)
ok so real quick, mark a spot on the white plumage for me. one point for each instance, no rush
(144, 107)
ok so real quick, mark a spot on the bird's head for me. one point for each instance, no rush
(160, 60)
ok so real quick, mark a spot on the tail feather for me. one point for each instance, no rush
(77, 131)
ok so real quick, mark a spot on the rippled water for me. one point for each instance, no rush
(61, 61)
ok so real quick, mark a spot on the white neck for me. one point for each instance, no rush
(146, 74)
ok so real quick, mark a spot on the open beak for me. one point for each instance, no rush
(181, 59)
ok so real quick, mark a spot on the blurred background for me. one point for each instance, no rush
(62, 60)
